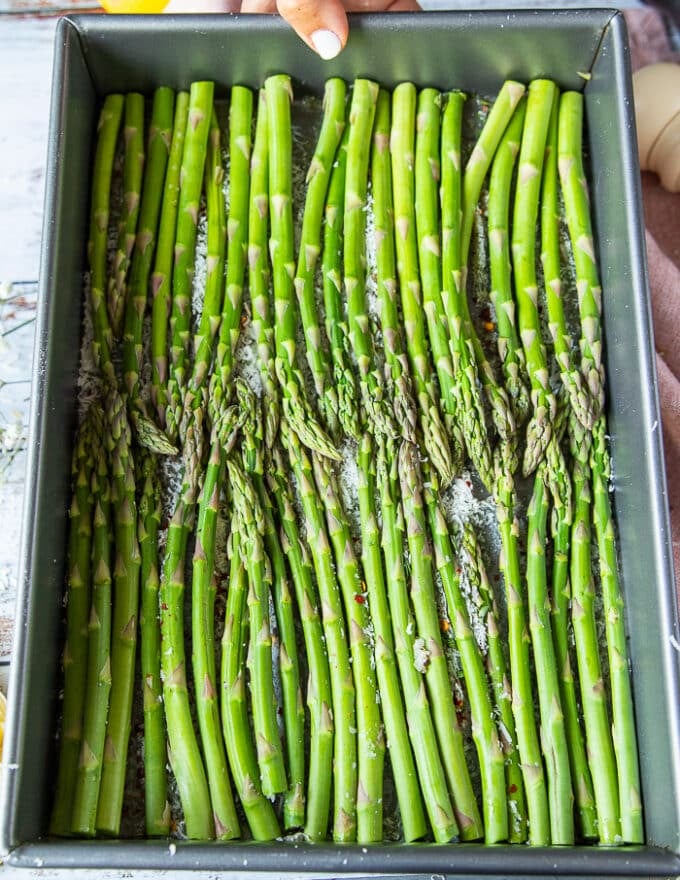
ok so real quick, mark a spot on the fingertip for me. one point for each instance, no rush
(326, 44)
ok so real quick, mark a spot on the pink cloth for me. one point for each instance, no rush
(649, 44)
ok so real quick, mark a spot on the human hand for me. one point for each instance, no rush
(322, 24)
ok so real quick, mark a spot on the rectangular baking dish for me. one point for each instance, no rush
(476, 51)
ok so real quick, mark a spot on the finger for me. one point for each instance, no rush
(385, 6)
(322, 25)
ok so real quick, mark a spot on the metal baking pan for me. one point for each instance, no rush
(476, 51)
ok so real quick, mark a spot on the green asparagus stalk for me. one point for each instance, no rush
(525, 216)
(191, 186)
(296, 408)
(125, 618)
(572, 379)
(482, 595)
(161, 278)
(401, 757)
(599, 744)
(475, 172)
(240, 124)
(331, 269)
(418, 714)
(500, 185)
(416, 311)
(157, 808)
(561, 521)
(370, 732)
(107, 137)
(98, 682)
(553, 732)
(577, 211)
(397, 366)
(204, 337)
(237, 736)
(319, 694)
(342, 683)
(469, 404)
(293, 710)
(203, 590)
(258, 274)
(623, 717)
(250, 523)
(318, 176)
(520, 671)
(133, 164)
(78, 600)
(480, 159)
(184, 752)
(371, 385)
(427, 180)
(449, 734)
(145, 244)
(484, 731)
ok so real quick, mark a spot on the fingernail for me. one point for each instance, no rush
(326, 43)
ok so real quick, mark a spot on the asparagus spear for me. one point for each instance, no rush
(401, 757)
(336, 324)
(296, 408)
(525, 215)
(157, 808)
(145, 244)
(370, 732)
(318, 176)
(520, 672)
(482, 595)
(293, 711)
(319, 694)
(258, 567)
(484, 732)
(449, 734)
(469, 404)
(561, 521)
(240, 124)
(98, 681)
(553, 733)
(78, 599)
(133, 164)
(107, 136)
(161, 278)
(125, 614)
(191, 186)
(475, 172)
(185, 756)
(258, 274)
(623, 718)
(203, 589)
(415, 309)
(500, 184)
(577, 210)
(237, 736)
(418, 714)
(599, 745)
(342, 683)
(396, 363)
(572, 379)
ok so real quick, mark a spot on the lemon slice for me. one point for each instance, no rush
(134, 6)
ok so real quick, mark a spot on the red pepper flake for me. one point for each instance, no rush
(459, 570)
(512, 789)
(164, 607)
(468, 483)
(359, 599)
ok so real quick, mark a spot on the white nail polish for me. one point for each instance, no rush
(326, 44)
